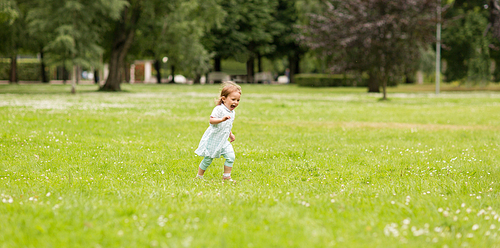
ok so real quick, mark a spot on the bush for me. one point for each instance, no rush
(329, 80)
(27, 70)
(4, 70)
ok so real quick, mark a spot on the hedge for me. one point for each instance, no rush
(26, 70)
(4, 70)
(329, 80)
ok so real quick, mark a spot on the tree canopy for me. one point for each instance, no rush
(176, 34)
(383, 39)
(8, 12)
(252, 29)
(174, 24)
(466, 41)
(74, 29)
(13, 34)
(374, 36)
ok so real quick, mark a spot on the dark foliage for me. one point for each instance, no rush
(379, 37)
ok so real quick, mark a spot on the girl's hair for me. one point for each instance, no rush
(228, 87)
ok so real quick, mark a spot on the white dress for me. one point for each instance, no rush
(214, 141)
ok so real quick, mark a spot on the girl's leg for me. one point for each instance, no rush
(228, 165)
(204, 165)
(227, 169)
(201, 172)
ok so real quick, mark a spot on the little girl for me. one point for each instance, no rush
(214, 142)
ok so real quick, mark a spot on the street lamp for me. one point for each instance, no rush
(164, 60)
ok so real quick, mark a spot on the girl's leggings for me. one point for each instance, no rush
(230, 157)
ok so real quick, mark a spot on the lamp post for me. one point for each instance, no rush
(438, 47)
(164, 60)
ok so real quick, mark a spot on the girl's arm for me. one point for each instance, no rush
(214, 120)
(232, 137)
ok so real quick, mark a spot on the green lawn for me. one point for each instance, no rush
(332, 167)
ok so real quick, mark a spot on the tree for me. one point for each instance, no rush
(494, 20)
(466, 41)
(378, 37)
(8, 12)
(246, 32)
(39, 38)
(286, 40)
(121, 38)
(13, 34)
(134, 18)
(494, 27)
(188, 24)
(19, 35)
(74, 29)
(176, 34)
(226, 41)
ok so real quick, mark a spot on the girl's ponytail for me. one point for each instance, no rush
(218, 101)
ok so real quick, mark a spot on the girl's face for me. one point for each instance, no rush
(232, 100)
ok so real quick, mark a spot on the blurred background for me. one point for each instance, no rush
(358, 43)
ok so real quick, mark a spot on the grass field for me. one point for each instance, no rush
(314, 168)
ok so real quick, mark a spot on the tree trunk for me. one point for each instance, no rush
(494, 22)
(157, 66)
(77, 74)
(297, 64)
(384, 88)
(96, 77)
(384, 73)
(118, 52)
(197, 79)
(123, 36)
(172, 70)
(13, 69)
(73, 79)
(259, 63)
(65, 74)
(373, 85)
(292, 62)
(60, 73)
(409, 78)
(126, 72)
(217, 66)
(420, 77)
(42, 67)
(250, 69)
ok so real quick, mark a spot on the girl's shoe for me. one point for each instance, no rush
(227, 179)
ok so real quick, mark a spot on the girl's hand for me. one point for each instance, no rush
(232, 137)
(225, 118)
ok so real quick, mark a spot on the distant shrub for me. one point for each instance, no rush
(4, 70)
(27, 70)
(329, 80)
